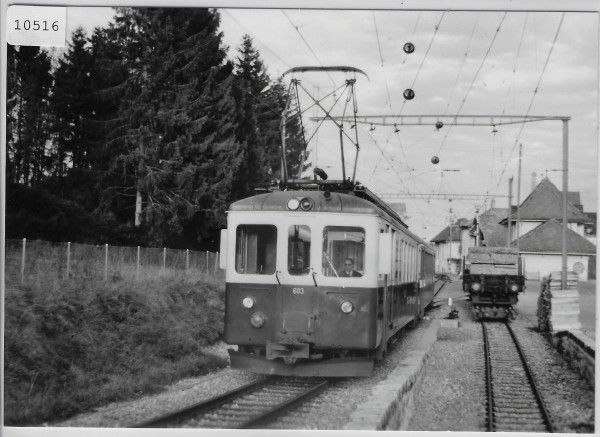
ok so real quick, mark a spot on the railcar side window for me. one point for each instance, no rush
(299, 250)
(343, 251)
(255, 249)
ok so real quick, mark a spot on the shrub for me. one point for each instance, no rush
(70, 346)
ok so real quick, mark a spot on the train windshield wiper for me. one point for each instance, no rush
(277, 277)
(333, 268)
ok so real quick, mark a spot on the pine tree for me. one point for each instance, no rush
(175, 146)
(29, 81)
(261, 103)
(72, 105)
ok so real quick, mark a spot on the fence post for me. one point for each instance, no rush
(207, 261)
(187, 259)
(23, 261)
(106, 262)
(68, 260)
(217, 263)
(164, 259)
(137, 273)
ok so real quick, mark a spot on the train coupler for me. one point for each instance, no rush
(290, 352)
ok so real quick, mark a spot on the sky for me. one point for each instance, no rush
(464, 63)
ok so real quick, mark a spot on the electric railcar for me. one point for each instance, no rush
(318, 279)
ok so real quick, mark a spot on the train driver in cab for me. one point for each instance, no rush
(349, 269)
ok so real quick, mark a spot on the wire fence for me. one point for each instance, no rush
(32, 258)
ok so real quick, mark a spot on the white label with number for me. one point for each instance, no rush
(36, 25)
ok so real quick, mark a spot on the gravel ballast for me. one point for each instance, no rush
(450, 394)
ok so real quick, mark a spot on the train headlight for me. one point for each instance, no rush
(514, 287)
(347, 307)
(257, 320)
(248, 302)
(293, 204)
(306, 204)
(475, 286)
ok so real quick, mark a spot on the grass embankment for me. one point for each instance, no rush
(71, 346)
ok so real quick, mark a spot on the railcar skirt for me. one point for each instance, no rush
(336, 367)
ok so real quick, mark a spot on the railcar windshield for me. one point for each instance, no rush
(255, 249)
(343, 251)
(299, 250)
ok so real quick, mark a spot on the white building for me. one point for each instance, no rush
(539, 231)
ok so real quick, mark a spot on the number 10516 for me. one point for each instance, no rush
(36, 25)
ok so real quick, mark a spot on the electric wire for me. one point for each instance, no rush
(532, 99)
(416, 77)
(306, 43)
(462, 65)
(514, 70)
(474, 79)
(387, 89)
(275, 55)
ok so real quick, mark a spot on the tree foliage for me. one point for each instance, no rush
(147, 126)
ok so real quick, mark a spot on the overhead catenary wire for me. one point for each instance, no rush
(474, 79)
(462, 65)
(306, 43)
(514, 69)
(522, 126)
(415, 79)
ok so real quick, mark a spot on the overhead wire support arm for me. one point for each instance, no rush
(448, 120)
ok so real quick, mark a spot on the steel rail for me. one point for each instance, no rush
(488, 377)
(280, 409)
(532, 381)
(491, 425)
(192, 410)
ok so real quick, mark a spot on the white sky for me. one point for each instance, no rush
(466, 67)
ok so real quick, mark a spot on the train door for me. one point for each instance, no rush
(298, 296)
(385, 255)
(419, 281)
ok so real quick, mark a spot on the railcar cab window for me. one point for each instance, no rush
(343, 251)
(299, 250)
(255, 249)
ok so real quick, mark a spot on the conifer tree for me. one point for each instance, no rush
(176, 146)
(29, 81)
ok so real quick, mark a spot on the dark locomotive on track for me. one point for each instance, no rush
(493, 278)
(319, 277)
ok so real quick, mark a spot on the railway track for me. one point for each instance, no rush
(253, 405)
(514, 402)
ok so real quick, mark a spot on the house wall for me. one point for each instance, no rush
(466, 240)
(540, 265)
(443, 252)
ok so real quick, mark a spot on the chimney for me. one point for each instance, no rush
(533, 181)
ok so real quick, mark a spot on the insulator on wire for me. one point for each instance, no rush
(409, 94)
(409, 47)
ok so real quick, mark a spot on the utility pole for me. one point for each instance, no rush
(519, 195)
(509, 236)
(564, 201)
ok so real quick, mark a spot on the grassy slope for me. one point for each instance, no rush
(70, 346)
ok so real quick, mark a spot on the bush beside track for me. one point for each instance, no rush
(71, 346)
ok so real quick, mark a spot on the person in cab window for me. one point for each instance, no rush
(349, 269)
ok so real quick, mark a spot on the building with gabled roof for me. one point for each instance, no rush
(450, 244)
(541, 251)
(540, 233)
(545, 203)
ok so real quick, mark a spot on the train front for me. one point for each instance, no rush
(302, 284)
